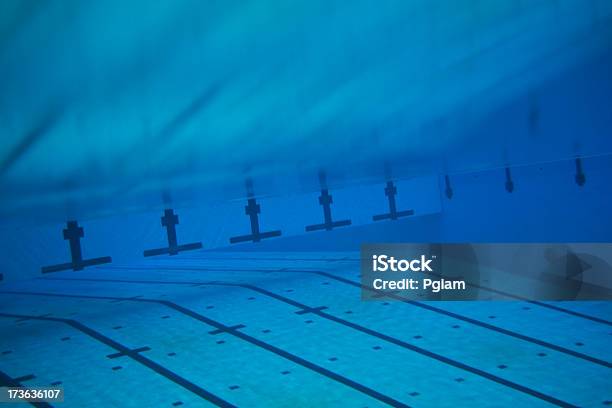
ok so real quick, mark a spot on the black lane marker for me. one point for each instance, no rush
(7, 381)
(253, 210)
(510, 295)
(219, 331)
(267, 259)
(168, 268)
(292, 357)
(121, 354)
(23, 378)
(232, 330)
(571, 312)
(319, 312)
(474, 322)
(326, 200)
(170, 220)
(457, 364)
(488, 289)
(133, 355)
(533, 302)
(414, 303)
(73, 234)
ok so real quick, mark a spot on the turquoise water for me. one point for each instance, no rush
(63, 328)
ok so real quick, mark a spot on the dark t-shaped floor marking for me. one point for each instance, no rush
(325, 199)
(170, 220)
(220, 328)
(393, 214)
(73, 234)
(227, 329)
(128, 352)
(7, 381)
(319, 311)
(252, 209)
(123, 350)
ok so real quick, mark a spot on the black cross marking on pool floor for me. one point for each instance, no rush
(393, 214)
(73, 234)
(7, 381)
(170, 220)
(227, 329)
(422, 305)
(310, 310)
(325, 199)
(170, 375)
(347, 281)
(252, 209)
(474, 285)
(318, 311)
(128, 352)
(219, 326)
(380, 294)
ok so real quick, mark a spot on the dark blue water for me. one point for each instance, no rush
(492, 121)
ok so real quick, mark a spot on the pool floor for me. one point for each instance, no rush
(290, 330)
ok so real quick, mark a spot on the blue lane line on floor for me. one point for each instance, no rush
(170, 375)
(319, 311)
(204, 269)
(7, 381)
(232, 330)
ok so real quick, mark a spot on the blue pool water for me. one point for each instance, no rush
(288, 329)
(126, 128)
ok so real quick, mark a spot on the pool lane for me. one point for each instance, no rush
(347, 335)
(598, 311)
(279, 285)
(60, 361)
(542, 335)
(230, 368)
(527, 365)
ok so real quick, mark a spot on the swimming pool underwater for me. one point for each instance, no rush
(289, 329)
